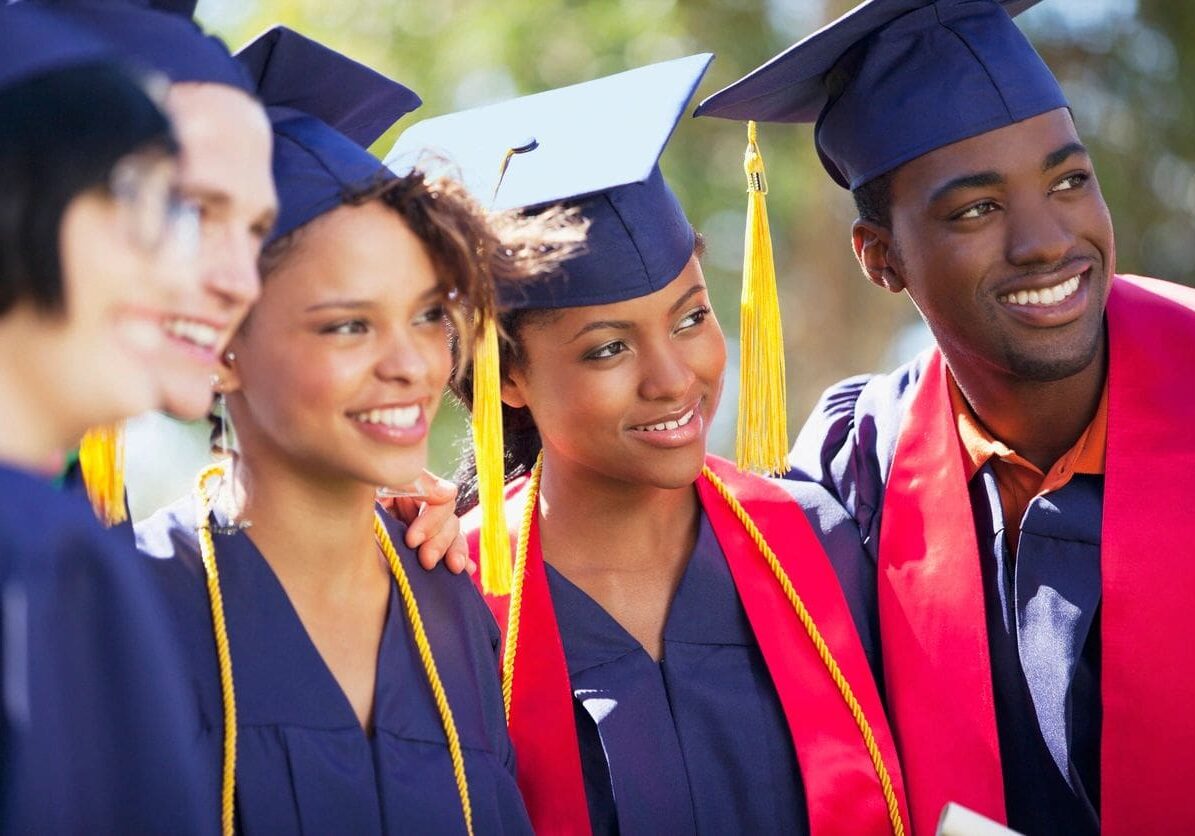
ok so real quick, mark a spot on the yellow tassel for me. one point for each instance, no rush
(101, 460)
(490, 455)
(762, 444)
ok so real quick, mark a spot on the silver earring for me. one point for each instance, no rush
(228, 484)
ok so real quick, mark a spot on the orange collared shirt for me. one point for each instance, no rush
(1018, 480)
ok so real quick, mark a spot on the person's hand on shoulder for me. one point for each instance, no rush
(432, 525)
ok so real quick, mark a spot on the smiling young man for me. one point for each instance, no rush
(1020, 489)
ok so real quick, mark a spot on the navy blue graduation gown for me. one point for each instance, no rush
(95, 737)
(697, 743)
(1041, 610)
(304, 764)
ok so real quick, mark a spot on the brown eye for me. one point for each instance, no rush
(1071, 181)
(978, 210)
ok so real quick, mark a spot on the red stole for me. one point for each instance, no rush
(843, 791)
(931, 603)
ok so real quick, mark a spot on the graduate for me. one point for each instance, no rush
(93, 241)
(226, 142)
(657, 674)
(338, 687)
(1021, 490)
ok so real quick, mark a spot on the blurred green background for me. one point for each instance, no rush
(1126, 66)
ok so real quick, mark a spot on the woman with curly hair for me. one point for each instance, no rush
(341, 687)
(678, 655)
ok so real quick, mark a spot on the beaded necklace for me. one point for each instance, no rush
(207, 550)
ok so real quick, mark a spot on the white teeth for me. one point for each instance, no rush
(1045, 296)
(199, 333)
(667, 425)
(400, 417)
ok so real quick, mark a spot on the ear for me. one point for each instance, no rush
(228, 379)
(513, 385)
(874, 251)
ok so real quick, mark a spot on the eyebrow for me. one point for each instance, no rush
(695, 289)
(1056, 158)
(624, 325)
(615, 324)
(206, 194)
(360, 304)
(979, 180)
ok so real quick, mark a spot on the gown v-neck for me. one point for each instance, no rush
(696, 743)
(305, 764)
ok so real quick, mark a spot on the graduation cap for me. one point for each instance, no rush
(159, 34)
(892, 80)
(34, 41)
(595, 146)
(326, 110)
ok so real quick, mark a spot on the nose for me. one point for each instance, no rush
(1038, 235)
(667, 375)
(232, 266)
(402, 358)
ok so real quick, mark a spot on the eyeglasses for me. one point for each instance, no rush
(159, 219)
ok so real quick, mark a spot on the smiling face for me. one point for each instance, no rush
(225, 144)
(339, 369)
(1004, 243)
(94, 361)
(626, 391)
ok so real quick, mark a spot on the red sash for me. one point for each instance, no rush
(936, 661)
(843, 792)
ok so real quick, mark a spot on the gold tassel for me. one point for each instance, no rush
(762, 444)
(490, 456)
(101, 461)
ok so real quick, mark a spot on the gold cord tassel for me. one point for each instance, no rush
(762, 444)
(101, 460)
(490, 456)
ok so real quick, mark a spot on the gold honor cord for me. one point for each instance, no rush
(769, 556)
(207, 551)
(410, 605)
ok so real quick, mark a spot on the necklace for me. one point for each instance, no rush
(823, 650)
(207, 550)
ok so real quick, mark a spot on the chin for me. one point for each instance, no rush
(1049, 367)
(186, 403)
(679, 469)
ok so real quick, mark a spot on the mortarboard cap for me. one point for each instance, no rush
(159, 34)
(326, 110)
(594, 145)
(34, 41)
(892, 80)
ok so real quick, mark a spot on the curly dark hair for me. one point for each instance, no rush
(470, 249)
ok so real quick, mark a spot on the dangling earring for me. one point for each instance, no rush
(227, 447)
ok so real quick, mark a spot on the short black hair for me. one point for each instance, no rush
(873, 200)
(61, 134)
